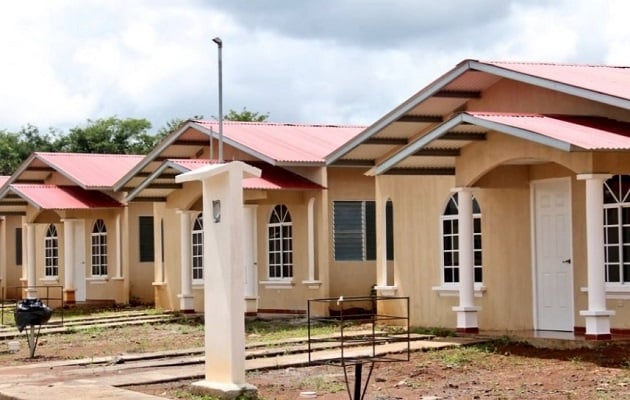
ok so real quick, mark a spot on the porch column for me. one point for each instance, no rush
(31, 273)
(69, 259)
(466, 311)
(597, 317)
(185, 297)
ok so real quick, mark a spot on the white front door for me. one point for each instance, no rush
(79, 259)
(553, 267)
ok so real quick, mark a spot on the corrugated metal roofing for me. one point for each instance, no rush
(606, 79)
(271, 178)
(91, 170)
(589, 133)
(52, 197)
(286, 142)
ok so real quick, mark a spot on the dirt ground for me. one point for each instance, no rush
(499, 370)
(509, 371)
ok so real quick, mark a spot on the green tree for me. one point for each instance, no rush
(246, 115)
(109, 136)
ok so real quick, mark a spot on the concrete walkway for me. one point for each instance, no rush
(104, 378)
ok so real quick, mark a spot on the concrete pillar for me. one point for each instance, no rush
(186, 303)
(597, 317)
(223, 278)
(69, 261)
(31, 273)
(466, 311)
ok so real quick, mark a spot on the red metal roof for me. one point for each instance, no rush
(286, 142)
(610, 80)
(52, 197)
(271, 178)
(590, 133)
(91, 170)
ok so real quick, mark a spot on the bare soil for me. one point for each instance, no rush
(499, 370)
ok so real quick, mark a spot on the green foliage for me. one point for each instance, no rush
(109, 136)
(246, 116)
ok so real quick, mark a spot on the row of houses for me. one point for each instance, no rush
(495, 198)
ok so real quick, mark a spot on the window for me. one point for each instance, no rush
(197, 249)
(51, 253)
(18, 246)
(280, 243)
(145, 228)
(354, 230)
(450, 241)
(99, 248)
(617, 229)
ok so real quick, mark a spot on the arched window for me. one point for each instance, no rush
(197, 249)
(280, 243)
(51, 252)
(450, 241)
(617, 229)
(99, 248)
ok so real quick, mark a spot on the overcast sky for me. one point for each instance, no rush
(307, 61)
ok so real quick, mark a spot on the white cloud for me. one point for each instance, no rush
(328, 61)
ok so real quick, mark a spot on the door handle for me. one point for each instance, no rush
(567, 261)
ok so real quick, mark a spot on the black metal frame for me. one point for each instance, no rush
(343, 311)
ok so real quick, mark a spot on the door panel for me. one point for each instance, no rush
(554, 275)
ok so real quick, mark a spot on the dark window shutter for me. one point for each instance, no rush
(145, 229)
(370, 230)
(18, 246)
(348, 229)
(389, 229)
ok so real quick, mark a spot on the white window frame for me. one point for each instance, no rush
(477, 243)
(196, 250)
(621, 205)
(280, 244)
(51, 253)
(99, 249)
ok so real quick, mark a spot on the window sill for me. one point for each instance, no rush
(50, 280)
(197, 285)
(158, 284)
(278, 284)
(453, 290)
(386, 290)
(312, 284)
(97, 280)
(614, 292)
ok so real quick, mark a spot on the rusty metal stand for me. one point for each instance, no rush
(32, 336)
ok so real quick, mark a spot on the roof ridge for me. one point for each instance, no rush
(270, 123)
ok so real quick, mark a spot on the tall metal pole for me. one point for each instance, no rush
(219, 43)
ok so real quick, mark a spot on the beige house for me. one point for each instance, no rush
(64, 228)
(293, 250)
(509, 185)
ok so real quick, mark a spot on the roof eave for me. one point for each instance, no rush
(457, 119)
(154, 175)
(401, 110)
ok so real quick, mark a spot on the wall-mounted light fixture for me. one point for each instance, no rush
(216, 211)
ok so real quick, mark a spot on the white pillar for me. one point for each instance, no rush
(31, 273)
(466, 311)
(311, 238)
(223, 277)
(186, 303)
(118, 260)
(69, 260)
(597, 317)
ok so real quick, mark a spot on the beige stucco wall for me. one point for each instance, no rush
(11, 272)
(349, 278)
(141, 274)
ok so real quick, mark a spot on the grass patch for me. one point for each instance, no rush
(285, 328)
(434, 331)
(323, 384)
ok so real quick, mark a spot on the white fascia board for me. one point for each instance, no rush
(530, 136)
(552, 85)
(446, 126)
(154, 175)
(400, 111)
(416, 145)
